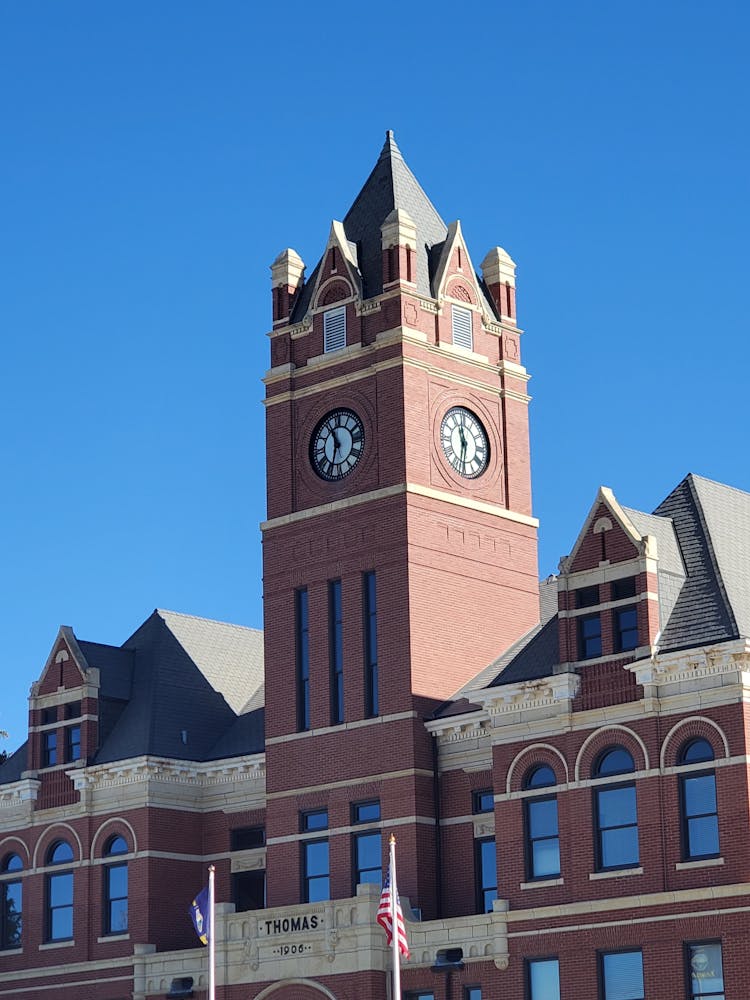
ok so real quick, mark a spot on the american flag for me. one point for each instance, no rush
(383, 917)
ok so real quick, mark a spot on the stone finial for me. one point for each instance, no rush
(498, 267)
(288, 270)
(399, 230)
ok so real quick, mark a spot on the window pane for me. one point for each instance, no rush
(695, 751)
(11, 895)
(117, 881)
(616, 761)
(61, 853)
(619, 847)
(472, 993)
(545, 858)
(61, 889)
(540, 777)
(118, 845)
(544, 979)
(12, 863)
(316, 858)
(616, 806)
(622, 973)
(315, 820)
(118, 916)
(703, 836)
(318, 889)
(366, 812)
(543, 818)
(700, 795)
(368, 858)
(706, 973)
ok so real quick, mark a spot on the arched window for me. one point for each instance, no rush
(542, 830)
(699, 812)
(615, 812)
(59, 894)
(116, 888)
(11, 900)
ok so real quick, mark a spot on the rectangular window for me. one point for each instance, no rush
(73, 743)
(315, 871)
(368, 858)
(11, 916)
(116, 899)
(334, 329)
(621, 975)
(60, 907)
(542, 838)
(616, 827)
(245, 838)
(371, 643)
(626, 629)
(49, 715)
(589, 637)
(49, 749)
(336, 651)
(249, 890)
(486, 873)
(622, 589)
(73, 710)
(705, 972)
(543, 978)
(366, 812)
(314, 819)
(462, 327)
(586, 597)
(483, 801)
(472, 993)
(302, 636)
(700, 818)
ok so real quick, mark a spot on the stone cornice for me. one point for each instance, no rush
(161, 769)
(505, 702)
(701, 668)
(19, 793)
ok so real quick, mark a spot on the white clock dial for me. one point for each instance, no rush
(464, 442)
(337, 444)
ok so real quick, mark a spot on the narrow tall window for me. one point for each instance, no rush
(589, 637)
(11, 902)
(615, 813)
(334, 329)
(626, 629)
(316, 880)
(302, 636)
(367, 846)
(705, 971)
(60, 894)
(336, 651)
(542, 832)
(371, 643)
(72, 743)
(700, 816)
(461, 323)
(49, 748)
(543, 978)
(622, 975)
(116, 888)
(486, 873)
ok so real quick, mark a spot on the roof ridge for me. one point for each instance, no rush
(709, 542)
(695, 477)
(201, 618)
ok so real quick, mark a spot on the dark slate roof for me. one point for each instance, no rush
(115, 666)
(14, 766)
(391, 185)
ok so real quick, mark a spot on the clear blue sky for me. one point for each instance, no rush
(156, 156)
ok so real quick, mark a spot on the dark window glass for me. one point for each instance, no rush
(542, 838)
(540, 777)
(705, 971)
(700, 817)
(49, 748)
(622, 975)
(366, 812)
(617, 760)
(368, 863)
(543, 975)
(49, 715)
(73, 743)
(302, 629)
(472, 993)
(622, 589)
(616, 827)
(245, 838)
(626, 629)
(371, 643)
(116, 889)
(314, 819)
(483, 801)
(587, 596)
(11, 904)
(315, 871)
(589, 637)
(73, 710)
(419, 995)
(486, 869)
(249, 890)
(60, 906)
(696, 751)
(336, 651)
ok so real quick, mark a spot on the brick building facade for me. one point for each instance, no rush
(564, 764)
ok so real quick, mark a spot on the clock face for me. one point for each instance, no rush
(464, 442)
(337, 444)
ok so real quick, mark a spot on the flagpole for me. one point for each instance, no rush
(394, 924)
(211, 936)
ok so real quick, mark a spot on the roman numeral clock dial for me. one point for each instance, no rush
(464, 442)
(337, 444)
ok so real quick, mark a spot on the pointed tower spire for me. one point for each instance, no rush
(390, 148)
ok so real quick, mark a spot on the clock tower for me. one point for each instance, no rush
(400, 547)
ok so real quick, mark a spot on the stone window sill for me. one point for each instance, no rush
(112, 937)
(682, 866)
(56, 944)
(618, 873)
(542, 883)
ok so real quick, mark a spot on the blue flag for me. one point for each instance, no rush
(201, 915)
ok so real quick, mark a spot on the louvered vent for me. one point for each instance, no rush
(334, 329)
(462, 328)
